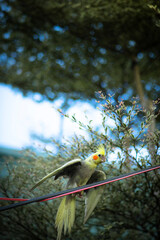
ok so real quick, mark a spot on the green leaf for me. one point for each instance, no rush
(142, 124)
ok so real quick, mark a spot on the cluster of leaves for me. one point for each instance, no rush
(129, 209)
(78, 41)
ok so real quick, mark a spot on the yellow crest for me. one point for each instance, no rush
(101, 150)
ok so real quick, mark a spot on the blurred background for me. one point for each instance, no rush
(67, 55)
(60, 58)
(26, 122)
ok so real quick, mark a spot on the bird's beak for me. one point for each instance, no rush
(103, 159)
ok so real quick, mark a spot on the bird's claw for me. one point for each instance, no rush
(79, 194)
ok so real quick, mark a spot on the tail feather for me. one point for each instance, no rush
(65, 215)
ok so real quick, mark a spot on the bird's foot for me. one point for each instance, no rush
(80, 194)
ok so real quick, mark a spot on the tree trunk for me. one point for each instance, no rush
(147, 105)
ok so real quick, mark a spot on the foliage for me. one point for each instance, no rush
(129, 209)
(78, 47)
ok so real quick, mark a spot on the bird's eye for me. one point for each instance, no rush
(99, 155)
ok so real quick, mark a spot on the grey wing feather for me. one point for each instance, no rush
(93, 195)
(66, 170)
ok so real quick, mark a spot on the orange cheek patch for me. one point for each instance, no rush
(95, 157)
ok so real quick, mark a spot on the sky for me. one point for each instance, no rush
(22, 116)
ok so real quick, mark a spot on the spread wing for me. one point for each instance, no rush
(68, 169)
(93, 195)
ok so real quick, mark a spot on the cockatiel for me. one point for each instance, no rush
(79, 172)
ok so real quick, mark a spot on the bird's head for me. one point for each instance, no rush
(99, 156)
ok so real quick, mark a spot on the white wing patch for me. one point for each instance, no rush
(57, 171)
